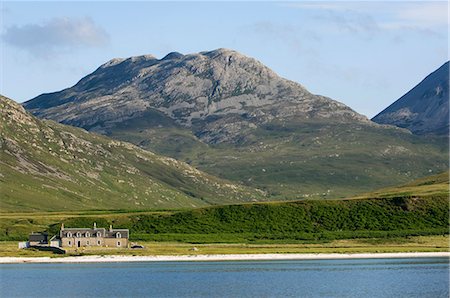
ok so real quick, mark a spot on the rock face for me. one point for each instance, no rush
(48, 166)
(219, 94)
(425, 108)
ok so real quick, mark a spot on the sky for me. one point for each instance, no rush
(362, 53)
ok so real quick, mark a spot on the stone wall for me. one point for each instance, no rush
(93, 241)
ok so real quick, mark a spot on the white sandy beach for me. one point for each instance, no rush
(228, 257)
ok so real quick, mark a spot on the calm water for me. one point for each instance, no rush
(423, 277)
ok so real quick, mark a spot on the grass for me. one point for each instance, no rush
(289, 222)
(47, 166)
(51, 167)
(415, 221)
(435, 185)
(301, 159)
(373, 245)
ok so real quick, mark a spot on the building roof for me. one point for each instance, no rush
(123, 233)
(38, 237)
(55, 237)
(84, 229)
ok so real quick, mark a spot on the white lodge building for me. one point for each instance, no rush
(82, 237)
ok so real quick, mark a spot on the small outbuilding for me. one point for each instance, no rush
(38, 239)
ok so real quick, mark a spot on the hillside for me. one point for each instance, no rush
(49, 166)
(231, 116)
(434, 185)
(421, 211)
(425, 108)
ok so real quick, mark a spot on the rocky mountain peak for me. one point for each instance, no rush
(222, 91)
(222, 52)
(172, 56)
(425, 108)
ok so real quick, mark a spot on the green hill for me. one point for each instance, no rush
(308, 220)
(48, 166)
(396, 215)
(305, 158)
(435, 185)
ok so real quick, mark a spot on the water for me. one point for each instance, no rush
(418, 277)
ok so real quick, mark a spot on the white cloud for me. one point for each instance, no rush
(421, 15)
(298, 39)
(56, 35)
(354, 23)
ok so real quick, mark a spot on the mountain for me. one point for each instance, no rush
(231, 116)
(425, 108)
(221, 95)
(48, 166)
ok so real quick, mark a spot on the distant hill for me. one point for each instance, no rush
(229, 115)
(425, 108)
(49, 166)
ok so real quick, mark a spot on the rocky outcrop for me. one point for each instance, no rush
(425, 108)
(222, 92)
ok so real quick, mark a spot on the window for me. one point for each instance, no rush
(118, 243)
(69, 234)
(88, 235)
(70, 243)
(99, 234)
(87, 242)
(118, 235)
(78, 234)
(98, 242)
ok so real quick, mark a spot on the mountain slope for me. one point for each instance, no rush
(49, 166)
(429, 186)
(231, 116)
(221, 95)
(425, 108)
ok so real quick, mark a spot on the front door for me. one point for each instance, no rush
(79, 243)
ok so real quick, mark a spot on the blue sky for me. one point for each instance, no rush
(364, 54)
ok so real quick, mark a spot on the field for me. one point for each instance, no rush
(374, 245)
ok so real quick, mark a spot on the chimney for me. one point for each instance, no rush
(110, 228)
(95, 225)
(61, 231)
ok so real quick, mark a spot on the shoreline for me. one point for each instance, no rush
(222, 257)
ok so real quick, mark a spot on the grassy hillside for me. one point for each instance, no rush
(301, 158)
(435, 185)
(286, 222)
(48, 166)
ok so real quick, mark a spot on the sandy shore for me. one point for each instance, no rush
(231, 257)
